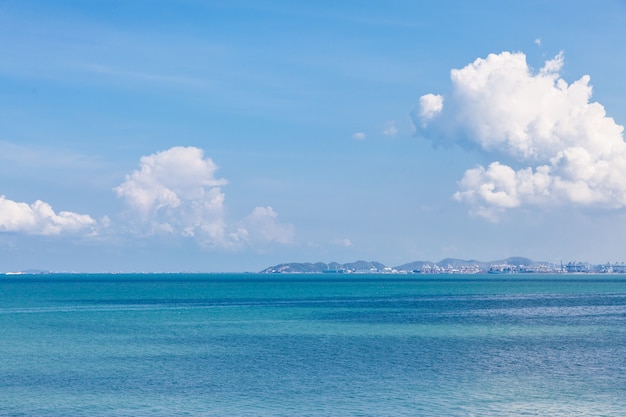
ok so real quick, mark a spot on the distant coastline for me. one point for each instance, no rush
(512, 265)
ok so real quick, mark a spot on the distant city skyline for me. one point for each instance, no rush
(209, 136)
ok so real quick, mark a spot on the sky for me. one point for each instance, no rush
(227, 136)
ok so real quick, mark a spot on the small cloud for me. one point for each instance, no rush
(391, 130)
(262, 226)
(430, 106)
(40, 219)
(358, 136)
(346, 243)
(553, 66)
(105, 222)
(538, 41)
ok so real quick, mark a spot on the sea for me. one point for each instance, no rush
(312, 345)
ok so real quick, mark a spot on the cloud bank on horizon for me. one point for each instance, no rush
(554, 145)
(174, 192)
(39, 218)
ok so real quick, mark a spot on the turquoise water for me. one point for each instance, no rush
(312, 345)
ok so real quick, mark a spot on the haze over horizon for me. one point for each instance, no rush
(210, 136)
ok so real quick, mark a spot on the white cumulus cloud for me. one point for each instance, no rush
(39, 218)
(358, 136)
(177, 192)
(167, 179)
(570, 150)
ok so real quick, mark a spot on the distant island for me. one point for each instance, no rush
(510, 265)
(28, 272)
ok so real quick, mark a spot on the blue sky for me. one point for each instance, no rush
(230, 136)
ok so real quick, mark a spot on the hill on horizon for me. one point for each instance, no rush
(374, 266)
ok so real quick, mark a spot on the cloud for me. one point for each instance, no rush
(358, 136)
(346, 243)
(176, 192)
(262, 225)
(167, 179)
(40, 219)
(430, 106)
(391, 129)
(570, 151)
(538, 41)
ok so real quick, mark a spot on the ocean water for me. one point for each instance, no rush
(312, 345)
